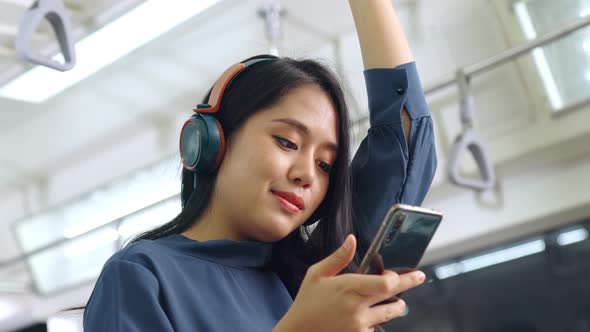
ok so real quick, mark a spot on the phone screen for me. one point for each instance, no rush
(404, 247)
(404, 241)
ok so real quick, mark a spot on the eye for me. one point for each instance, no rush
(285, 143)
(325, 167)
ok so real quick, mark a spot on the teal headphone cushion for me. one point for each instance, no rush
(200, 143)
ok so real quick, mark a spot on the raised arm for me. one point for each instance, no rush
(382, 39)
(385, 169)
(396, 162)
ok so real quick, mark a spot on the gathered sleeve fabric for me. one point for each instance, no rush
(125, 298)
(385, 169)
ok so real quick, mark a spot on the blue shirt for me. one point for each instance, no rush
(178, 284)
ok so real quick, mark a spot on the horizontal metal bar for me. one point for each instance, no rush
(470, 70)
(11, 31)
(499, 59)
(525, 48)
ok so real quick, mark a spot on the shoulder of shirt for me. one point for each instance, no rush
(143, 252)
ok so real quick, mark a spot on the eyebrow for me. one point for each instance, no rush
(304, 130)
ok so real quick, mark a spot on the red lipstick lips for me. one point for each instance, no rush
(291, 198)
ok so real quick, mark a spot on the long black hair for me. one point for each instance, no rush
(259, 87)
(255, 89)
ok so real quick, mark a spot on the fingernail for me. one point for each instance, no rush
(406, 310)
(420, 276)
(346, 243)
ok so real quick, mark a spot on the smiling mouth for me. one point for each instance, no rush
(286, 204)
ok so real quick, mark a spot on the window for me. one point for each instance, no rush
(564, 65)
(75, 240)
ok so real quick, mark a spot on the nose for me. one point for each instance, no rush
(303, 171)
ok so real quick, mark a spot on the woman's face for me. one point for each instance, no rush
(276, 169)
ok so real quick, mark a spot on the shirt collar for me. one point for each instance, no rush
(238, 254)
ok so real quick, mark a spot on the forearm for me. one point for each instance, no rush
(382, 39)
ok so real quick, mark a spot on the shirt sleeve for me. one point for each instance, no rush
(385, 170)
(125, 298)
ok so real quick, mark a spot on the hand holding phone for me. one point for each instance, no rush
(329, 300)
(401, 240)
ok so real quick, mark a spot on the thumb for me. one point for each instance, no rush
(339, 259)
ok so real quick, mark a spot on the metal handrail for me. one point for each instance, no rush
(272, 13)
(470, 70)
(57, 16)
(469, 140)
(499, 59)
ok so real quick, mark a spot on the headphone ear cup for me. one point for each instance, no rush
(213, 144)
(220, 138)
(190, 144)
(201, 143)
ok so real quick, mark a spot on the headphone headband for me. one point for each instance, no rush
(223, 82)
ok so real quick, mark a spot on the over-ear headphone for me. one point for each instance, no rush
(202, 142)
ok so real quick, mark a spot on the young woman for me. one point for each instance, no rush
(239, 257)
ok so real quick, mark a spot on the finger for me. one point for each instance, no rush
(369, 285)
(401, 283)
(384, 313)
(331, 265)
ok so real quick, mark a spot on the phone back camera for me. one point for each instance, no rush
(389, 238)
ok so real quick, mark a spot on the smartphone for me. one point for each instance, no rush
(401, 240)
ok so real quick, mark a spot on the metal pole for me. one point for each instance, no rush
(272, 12)
(470, 70)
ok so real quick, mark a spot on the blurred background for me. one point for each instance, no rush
(88, 157)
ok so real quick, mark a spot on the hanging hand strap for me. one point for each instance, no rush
(469, 140)
(272, 12)
(55, 12)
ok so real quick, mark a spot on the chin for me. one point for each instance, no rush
(272, 236)
(274, 231)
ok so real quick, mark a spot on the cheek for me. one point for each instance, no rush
(323, 189)
(256, 164)
(267, 158)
